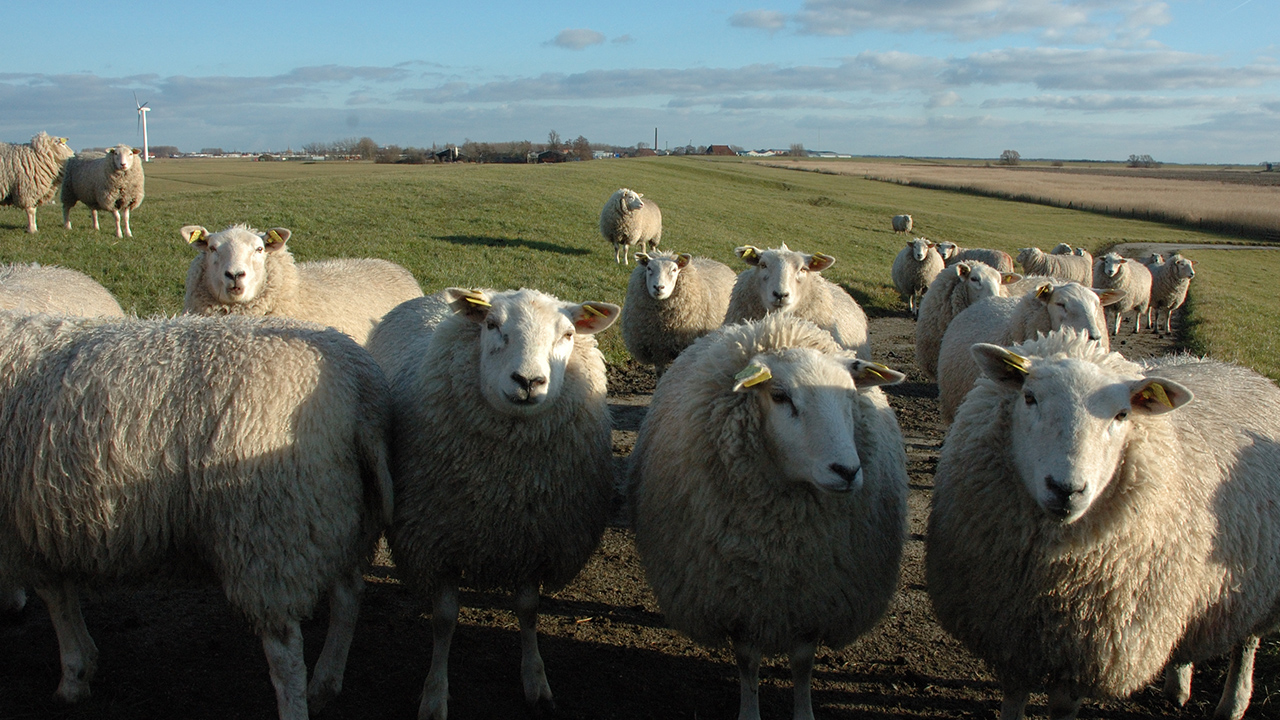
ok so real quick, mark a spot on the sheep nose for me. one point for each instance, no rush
(527, 383)
(234, 276)
(1060, 496)
(781, 295)
(659, 288)
(848, 474)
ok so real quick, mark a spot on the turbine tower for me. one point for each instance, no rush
(142, 123)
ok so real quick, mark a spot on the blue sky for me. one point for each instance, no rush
(1182, 81)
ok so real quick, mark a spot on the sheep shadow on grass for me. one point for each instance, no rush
(512, 242)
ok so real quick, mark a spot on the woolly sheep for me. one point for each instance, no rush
(787, 281)
(502, 461)
(1007, 320)
(628, 219)
(1073, 268)
(902, 223)
(671, 301)
(241, 271)
(400, 329)
(1130, 277)
(1091, 521)
(953, 253)
(255, 448)
(112, 181)
(955, 289)
(51, 289)
(914, 268)
(769, 490)
(1170, 280)
(30, 173)
(1062, 249)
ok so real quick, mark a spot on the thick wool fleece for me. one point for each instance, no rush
(656, 331)
(57, 290)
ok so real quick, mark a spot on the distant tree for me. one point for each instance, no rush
(164, 151)
(736, 149)
(1142, 161)
(366, 148)
(797, 150)
(553, 140)
(581, 148)
(211, 151)
(641, 145)
(387, 155)
(1010, 157)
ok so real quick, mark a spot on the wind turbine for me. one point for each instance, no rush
(142, 122)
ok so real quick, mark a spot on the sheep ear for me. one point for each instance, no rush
(1000, 364)
(472, 304)
(683, 260)
(276, 238)
(963, 268)
(1009, 278)
(1109, 296)
(750, 254)
(136, 151)
(871, 374)
(819, 262)
(1156, 396)
(642, 258)
(111, 151)
(590, 318)
(1045, 292)
(196, 236)
(750, 376)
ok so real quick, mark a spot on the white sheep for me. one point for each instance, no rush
(1073, 268)
(1092, 522)
(254, 448)
(402, 328)
(104, 181)
(1130, 277)
(955, 289)
(628, 219)
(502, 461)
(769, 490)
(30, 173)
(953, 253)
(915, 266)
(1052, 305)
(51, 289)
(786, 281)
(671, 301)
(241, 271)
(1062, 249)
(902, 223)
(1170, 280)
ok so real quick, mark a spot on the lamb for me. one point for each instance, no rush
(1092, 522)
(1073, 268)
(252, 448)
(1130, 277)
(769, 490)
(502, 461)
(787, 281)
(955, 289)
(1006, 320)
(1169, 283)
(111, 181)
(671, 301)
(902, 223)
(628, 219)
(30, 174)
(953, 253)
(914, 268)
(241, 271)
(50, 289)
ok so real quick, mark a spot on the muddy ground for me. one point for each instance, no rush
(169, 652)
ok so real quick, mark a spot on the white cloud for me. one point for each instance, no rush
(759, 19)
(944, 99)
(577, 38)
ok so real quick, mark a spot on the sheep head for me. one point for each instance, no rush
(662, 271)
(920, 248)
(234, 260)
(1111, 264)
(1074, 306)
(981, 280)
(122, 158)
(783, 276)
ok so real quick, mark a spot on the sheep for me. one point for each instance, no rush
(112, 181)
(51, 289)
(252, 448)
(628, 219)
(955, 289)
(30, 174)
(953, 253)
(902, 223)
(241, 271)
(671, 301)
(1092, 522)
(1170, 280)
(400, 328)
(1073, 268)
(1062, 249)
(914, 268)
(769, 490)
(502, 461)
(1133, 279)
(787, 281)
(1006, 320)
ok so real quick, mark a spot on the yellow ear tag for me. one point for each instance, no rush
(748, 253)
(274, 236)
(1045, 291)
(1155, 391)
(1017, 362)
(753, 375)
(476, 300)
(195, 236)
(595, 311)
(1007, 278)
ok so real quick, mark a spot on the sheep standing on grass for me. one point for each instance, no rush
(1170, 280)
(628, 219)
(30, 173)
(785, 281)
(255, 448)
(502, 461)
(953, 253)
(955, 289)
(902, 223)
(914, 268)
(112, 181)
(1130, 277)
(769, 490)
(673, 300)
(1072, 268)
(240, 271)
(1091, 522)
(54, 290)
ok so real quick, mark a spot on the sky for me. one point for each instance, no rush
(1183, 81)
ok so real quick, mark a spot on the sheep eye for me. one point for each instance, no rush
(1122, 416)
(491, 325)
(568, 335)
(1029, 398)
(779, 396)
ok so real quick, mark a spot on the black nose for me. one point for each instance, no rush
(1061, 496)
(848, 474)
(527, 383)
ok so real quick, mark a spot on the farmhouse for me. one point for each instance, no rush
(720, 150)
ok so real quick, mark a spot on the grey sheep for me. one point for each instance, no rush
(902, 223)
(671, 301)
(953, 253)
(30, 174)
(1072, 268)
(56, 290)
(1130, 277)
(1170, 280)
(628, 219)
(914, 268)
(955, 289)
(112, 181)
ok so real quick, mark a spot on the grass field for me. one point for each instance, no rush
(536, 226)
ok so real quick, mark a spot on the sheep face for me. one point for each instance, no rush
(1070, 424)
(1062, 249)
(980, 280)
(234, 260)
(122, 158)
(630, 200)
(1077, 307)
(947, 249)
(783, 276)
(662, 272)
(806, 400)
(526, 339)
(1111, 264)
(1185, 268)
(920, 248)
(1026, 255)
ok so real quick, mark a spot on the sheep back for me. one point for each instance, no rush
(403, 333)
(31, 173)
(57, 290)
(1170, 281)
(1073, 268)
(998, 259)
(948, 295)
(656, 331)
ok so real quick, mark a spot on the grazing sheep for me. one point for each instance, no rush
(955, 289)
(30, 173)
(1170, 280)
(786, 281)
(240, 271)
(628, 219)
(251, 448)
(1072, 268)
(902, 223)
(1130, 277)
(112, 181)
(1062, 249)
(502, 461)
(953, 253)
(769, 485)
(1007, 320)
(914, 268)
(1091, 522)
(57, 290)
(673, 300)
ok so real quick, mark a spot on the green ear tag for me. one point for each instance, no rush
(752, 375)
(594, 311)
(748, 253)
(274, 236)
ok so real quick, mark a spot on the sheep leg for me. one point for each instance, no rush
(95, 219)
(31, 220)
(802, 681)
(1063, 704)
(79, 654)
(344, 609)
(533, 673)
(1014, 704)
(748, 681)
(127, 230)
(116, 212)
(66, 216)
(1177, 683)
(444, 618)
(1137, 321)
(1239, 685)
(283, 648)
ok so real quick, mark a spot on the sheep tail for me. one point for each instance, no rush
(376, 474)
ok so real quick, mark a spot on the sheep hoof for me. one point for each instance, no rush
(319, 696)
(71, 692)
(543, 707)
